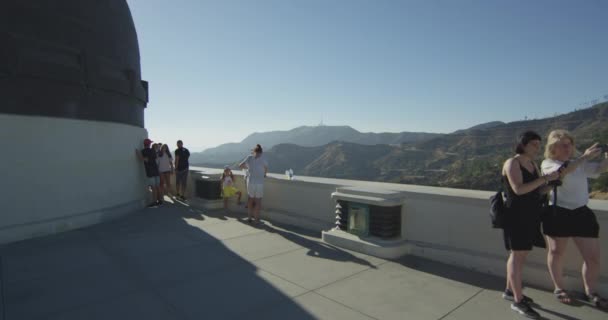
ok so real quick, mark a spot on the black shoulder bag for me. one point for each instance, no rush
(497, 210)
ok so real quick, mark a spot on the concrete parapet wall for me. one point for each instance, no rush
(443, 224)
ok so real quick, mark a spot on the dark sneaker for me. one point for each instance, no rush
(525, 310)
(152, 205)
(508, 295)
(158, 203)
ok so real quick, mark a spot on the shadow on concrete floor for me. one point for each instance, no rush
(149, 265)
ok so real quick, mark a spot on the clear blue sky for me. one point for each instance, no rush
(220, 70)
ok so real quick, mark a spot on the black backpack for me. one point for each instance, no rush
(497, 210)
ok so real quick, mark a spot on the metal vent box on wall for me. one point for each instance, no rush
(358, 219)
(208, 188)
(369, 220)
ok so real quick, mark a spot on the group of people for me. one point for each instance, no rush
(553, 198)
(160, 165)
(256, 168)
(535, 201)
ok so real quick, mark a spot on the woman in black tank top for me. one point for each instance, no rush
(524, 188)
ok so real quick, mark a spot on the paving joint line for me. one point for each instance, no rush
(141, 282)
(348, 277)
(462, 304)
(86, 304)
(277, 254)
(236, 237)
(346, 306)
(316, 291)
(295, 284)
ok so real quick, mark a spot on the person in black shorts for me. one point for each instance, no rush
(570, 217)
(148, 156)
(524, 188)
(181, 169)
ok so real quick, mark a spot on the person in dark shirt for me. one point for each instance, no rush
(181, 169)
(148, 156)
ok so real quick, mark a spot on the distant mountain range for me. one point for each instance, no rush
(305, 136)
(469, 158)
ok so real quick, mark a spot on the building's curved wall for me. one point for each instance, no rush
(61, 174)
(71, 115)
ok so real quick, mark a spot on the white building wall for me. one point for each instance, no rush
(60, 174)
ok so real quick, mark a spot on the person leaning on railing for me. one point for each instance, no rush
(521, 230)
(571, 218)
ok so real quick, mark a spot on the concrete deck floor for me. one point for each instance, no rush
(176, 262)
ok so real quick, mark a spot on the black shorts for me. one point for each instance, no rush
(580, 222)
(523, 239)
(521, 231)
(181, 178)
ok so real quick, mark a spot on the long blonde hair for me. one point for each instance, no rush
(555, 137)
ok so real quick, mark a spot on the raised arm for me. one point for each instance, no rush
(591, 153)
(243, 164)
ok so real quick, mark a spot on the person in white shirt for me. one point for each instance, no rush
(571, 218)
(165, 167)
(257, 167)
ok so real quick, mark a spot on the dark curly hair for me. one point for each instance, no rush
(524, 139)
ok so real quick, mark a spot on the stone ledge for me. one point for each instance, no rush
(385, 249)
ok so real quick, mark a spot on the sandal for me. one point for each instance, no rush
(562, 296)
(598, 301)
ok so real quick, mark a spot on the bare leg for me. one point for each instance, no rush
(160, 194)
(590, 250)
(156, 193)
(515, 266)
(239, 194)
(555, 253)
(162, 179)
(168, 184)
(250, 204)
(258, 206)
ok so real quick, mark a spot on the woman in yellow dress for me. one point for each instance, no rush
(228, 188)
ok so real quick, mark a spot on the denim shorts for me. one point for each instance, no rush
(154, 181)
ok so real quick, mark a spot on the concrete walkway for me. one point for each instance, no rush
(176, 262)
